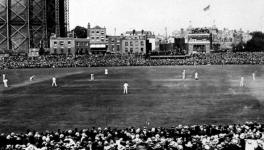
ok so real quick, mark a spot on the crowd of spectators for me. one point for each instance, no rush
(195, 137)
(15, 62)
(174, 52)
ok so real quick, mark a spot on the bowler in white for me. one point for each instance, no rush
(183, 74)
(254, 76)
(5, 83)
(241, 81)
(92, 77)
(125, 88)
(106, 71)
(54, 82)
(196, 75)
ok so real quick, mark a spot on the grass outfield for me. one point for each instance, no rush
(156, 94)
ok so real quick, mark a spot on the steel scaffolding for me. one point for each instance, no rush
(18, 25)
(66, 11)
(57, 17)
(37, 21)
(3, 25)
(28, 24)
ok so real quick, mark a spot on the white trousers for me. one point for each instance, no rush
(54, 84)
(5, 84)
(125, 90)
(241, 83)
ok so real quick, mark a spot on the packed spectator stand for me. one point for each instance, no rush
(16, 62)
(180, 137)
(195, 137)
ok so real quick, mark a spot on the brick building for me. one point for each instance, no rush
(97, 36)
(135, 42)
(114, 44)
(69, 46)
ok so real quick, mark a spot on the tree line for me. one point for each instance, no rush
(255, 44)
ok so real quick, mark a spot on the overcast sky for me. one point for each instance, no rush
(155, 15)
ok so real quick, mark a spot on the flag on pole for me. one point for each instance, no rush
(206, 8)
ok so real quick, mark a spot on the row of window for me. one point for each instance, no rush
(82, 43)
(98, 38)
(135, 38)
(136, 43)
(97, 32)
(69, 43)
(61, 43)
(114, 40)
(113, 48)
(131, 50)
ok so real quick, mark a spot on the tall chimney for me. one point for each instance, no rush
(88, 30)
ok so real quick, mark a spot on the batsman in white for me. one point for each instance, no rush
(254, 76)
(196, 76)
(5, 83)
(183, 74)
(54, 82)
(125, 87)
(92, 77)
(106, 71)
(241, 82)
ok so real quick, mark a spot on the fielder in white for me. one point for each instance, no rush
(125, 88)
(241, 82)
(54, 82)
(254, 76)
(5, 83)
(106, 71)
(31, 78)
(92, 77)
(4, 77)
(183, 74)
(196, 76)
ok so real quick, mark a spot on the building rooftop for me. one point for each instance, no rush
(139, 32)
(98, 27)
(69, 38)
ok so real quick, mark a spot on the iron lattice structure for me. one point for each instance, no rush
(38, 25)
(28, 24)
(3, 25)
(66, 16)
(58, 18)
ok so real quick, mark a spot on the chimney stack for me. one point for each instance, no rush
(88, 30)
